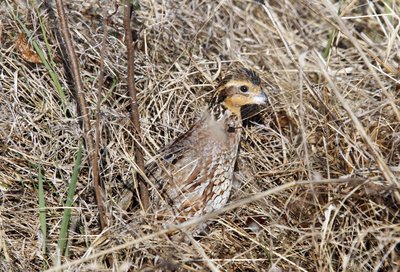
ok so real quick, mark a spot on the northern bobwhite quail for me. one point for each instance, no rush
(193, 174)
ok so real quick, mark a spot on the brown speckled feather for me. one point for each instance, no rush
(195, 167)
(193, 174)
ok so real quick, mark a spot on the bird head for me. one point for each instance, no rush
(239, 89)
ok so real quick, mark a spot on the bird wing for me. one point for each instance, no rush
(180, 173)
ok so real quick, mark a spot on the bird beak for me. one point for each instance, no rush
(261, 98)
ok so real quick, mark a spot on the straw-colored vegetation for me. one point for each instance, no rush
(333, 114)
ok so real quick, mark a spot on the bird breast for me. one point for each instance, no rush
(200, 166)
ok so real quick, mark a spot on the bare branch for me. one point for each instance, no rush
(82, 106)
(144, 194)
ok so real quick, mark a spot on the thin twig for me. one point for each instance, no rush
(82, 106)
(144, 194)
(100, 83)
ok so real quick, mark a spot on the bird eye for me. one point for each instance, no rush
(244, 89)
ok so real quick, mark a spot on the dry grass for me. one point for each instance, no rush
(312, 130)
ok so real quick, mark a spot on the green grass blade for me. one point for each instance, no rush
(327, 49)
(49, 68)
(62, 241)
(42, 214)
(388, 9)
(332, 34)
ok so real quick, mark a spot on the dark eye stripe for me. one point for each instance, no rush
(244, 89)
